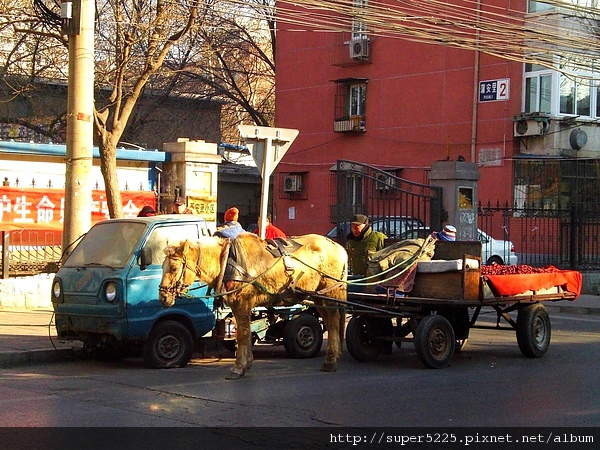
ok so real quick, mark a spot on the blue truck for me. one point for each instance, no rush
(105, 294)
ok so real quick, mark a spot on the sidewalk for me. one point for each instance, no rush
(29, 337)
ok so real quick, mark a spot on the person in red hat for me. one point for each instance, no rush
(231, 228)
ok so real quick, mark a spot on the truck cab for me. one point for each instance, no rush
(105, 293)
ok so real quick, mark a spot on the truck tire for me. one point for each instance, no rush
(169, 345)
(303, 337)
(435, 341)
(360, 342)
(533, 330)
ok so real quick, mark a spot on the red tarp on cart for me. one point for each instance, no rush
(515, 284)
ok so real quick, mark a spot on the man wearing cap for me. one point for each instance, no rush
(179, 206)
(231, 228)
(362, 241)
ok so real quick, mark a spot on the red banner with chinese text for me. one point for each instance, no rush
(43, 209)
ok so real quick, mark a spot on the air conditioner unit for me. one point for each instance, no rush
(359, 48)
(528, 127)
(292, 183)
(385, 182)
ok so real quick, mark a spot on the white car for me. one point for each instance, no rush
(496, 251)
(492, 250)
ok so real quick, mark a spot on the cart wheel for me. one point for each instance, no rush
(359, 340)
(533, 330)
(435, 341)
(303, 337)
(170, 344)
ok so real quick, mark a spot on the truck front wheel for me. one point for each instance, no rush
(170, 344)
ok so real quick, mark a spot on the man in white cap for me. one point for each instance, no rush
(362, 241)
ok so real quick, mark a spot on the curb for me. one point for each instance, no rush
(579, 310)
(33, 357)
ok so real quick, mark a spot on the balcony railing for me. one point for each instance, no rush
(354, 123)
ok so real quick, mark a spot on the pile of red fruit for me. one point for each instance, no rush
(518, 269)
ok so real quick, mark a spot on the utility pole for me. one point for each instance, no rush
(78, 23)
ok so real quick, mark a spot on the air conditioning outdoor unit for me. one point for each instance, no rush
(292, 183)
(384, 182)
(359, 48)
(528, 127)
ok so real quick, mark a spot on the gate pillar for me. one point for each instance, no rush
(191, 174)
(458, 180)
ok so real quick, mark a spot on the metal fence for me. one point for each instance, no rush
(29, 252)
(566, 238)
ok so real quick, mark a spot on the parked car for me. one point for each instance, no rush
(492, 250)
(393, 227)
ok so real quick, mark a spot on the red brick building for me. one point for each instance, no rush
(401, 105)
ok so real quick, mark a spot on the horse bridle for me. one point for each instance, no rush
(179, 286)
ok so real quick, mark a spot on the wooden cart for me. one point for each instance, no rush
(443, 306)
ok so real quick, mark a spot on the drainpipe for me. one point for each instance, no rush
(475, 87)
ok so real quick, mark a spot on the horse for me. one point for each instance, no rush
(253, 274)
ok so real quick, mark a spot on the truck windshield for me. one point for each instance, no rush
(107, 244)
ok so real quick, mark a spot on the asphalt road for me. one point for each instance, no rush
(488, 384)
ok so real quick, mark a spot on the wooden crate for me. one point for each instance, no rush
(458, 285)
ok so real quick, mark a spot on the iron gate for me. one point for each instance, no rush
(359, 188)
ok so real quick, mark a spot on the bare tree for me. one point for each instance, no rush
(236, 63)
(136, 39)
(31, 53)
(216, 50)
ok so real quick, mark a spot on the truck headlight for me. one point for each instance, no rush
(57, 295)
(111, 292)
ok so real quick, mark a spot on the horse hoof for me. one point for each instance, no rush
(329, 367)
(234, 376)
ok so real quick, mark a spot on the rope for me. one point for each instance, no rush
(363, 281)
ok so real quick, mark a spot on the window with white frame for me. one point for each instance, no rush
(555, 93)
(538, 89)
(534, 6)
(359, 26)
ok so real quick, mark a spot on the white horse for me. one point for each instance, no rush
(251, 276)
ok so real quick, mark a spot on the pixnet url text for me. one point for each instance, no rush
(384, 438)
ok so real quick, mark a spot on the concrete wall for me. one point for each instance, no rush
(27, 292)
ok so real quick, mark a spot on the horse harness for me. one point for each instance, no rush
(236, 268)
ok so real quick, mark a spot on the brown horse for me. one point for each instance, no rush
(250, 275)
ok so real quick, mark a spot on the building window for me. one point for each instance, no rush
(359, 26)
(534, 6)
(536, 184)
(538, 89)
(554, 184)
(350, 105)
(554, 93)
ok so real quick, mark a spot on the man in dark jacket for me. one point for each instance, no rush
(362, 241)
